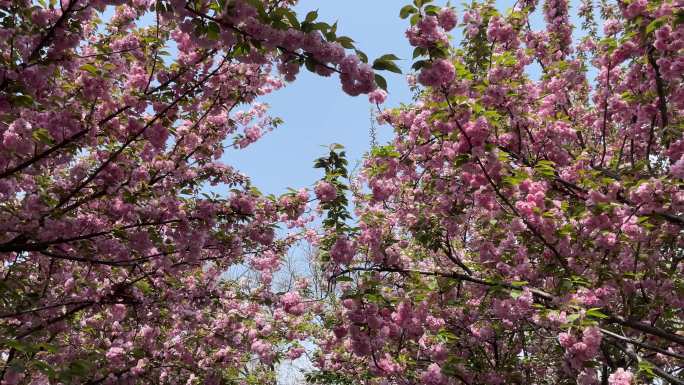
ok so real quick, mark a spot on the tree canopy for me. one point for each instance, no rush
(517, 229)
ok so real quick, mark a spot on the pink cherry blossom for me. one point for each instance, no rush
(620, 377)
(447, 19)
(377, 97)
(325, 191)
(440, 73)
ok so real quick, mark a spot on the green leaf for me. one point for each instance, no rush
(384, 65)
(79, 367)
(215, 6)
(579, 281)
(292, 18)
(415, 18)
(462, 71)
(381, 82)
(679, 18)
(18, 346)
(321, 26)
(445, 335)
(362, 56)
(596, 313)
(655, 24)
(22, 100)
(344, 279)
(603, 207)
(420, 64)
(44, 367)
(42, 135)
(388, 57)
(461, 160)
(546, 168)
(311, 16)
(610, 43)
(512, 180)
(420, 3)
(432, 10)
(346, 42)
(387, 151)
(213, 31)
(406, 11)
(47, 347)
(645, 367)
(419, 51)
(89, 68)
(566, 230)
(310, 64)
(439, 52)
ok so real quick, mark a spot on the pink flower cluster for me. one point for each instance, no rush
(433, 375)
(583, 350)
(382, 188)
(677, 169)
(558, 24)
(243, 204)
(440, 73)
(357, 78)
(377, 97)
(427, 33)
(293, 205)
(620, 377)
(343, 250)
(498, 30)
(447, 18)
(635, 8)
(472, 21)
(292, 303)
(264, 350)
(295, 353)
(325, 191)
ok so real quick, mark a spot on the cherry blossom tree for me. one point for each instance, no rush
(520, 228)
(525, 224)
(114, 244)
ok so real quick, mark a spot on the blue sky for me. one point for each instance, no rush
(315, 109)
